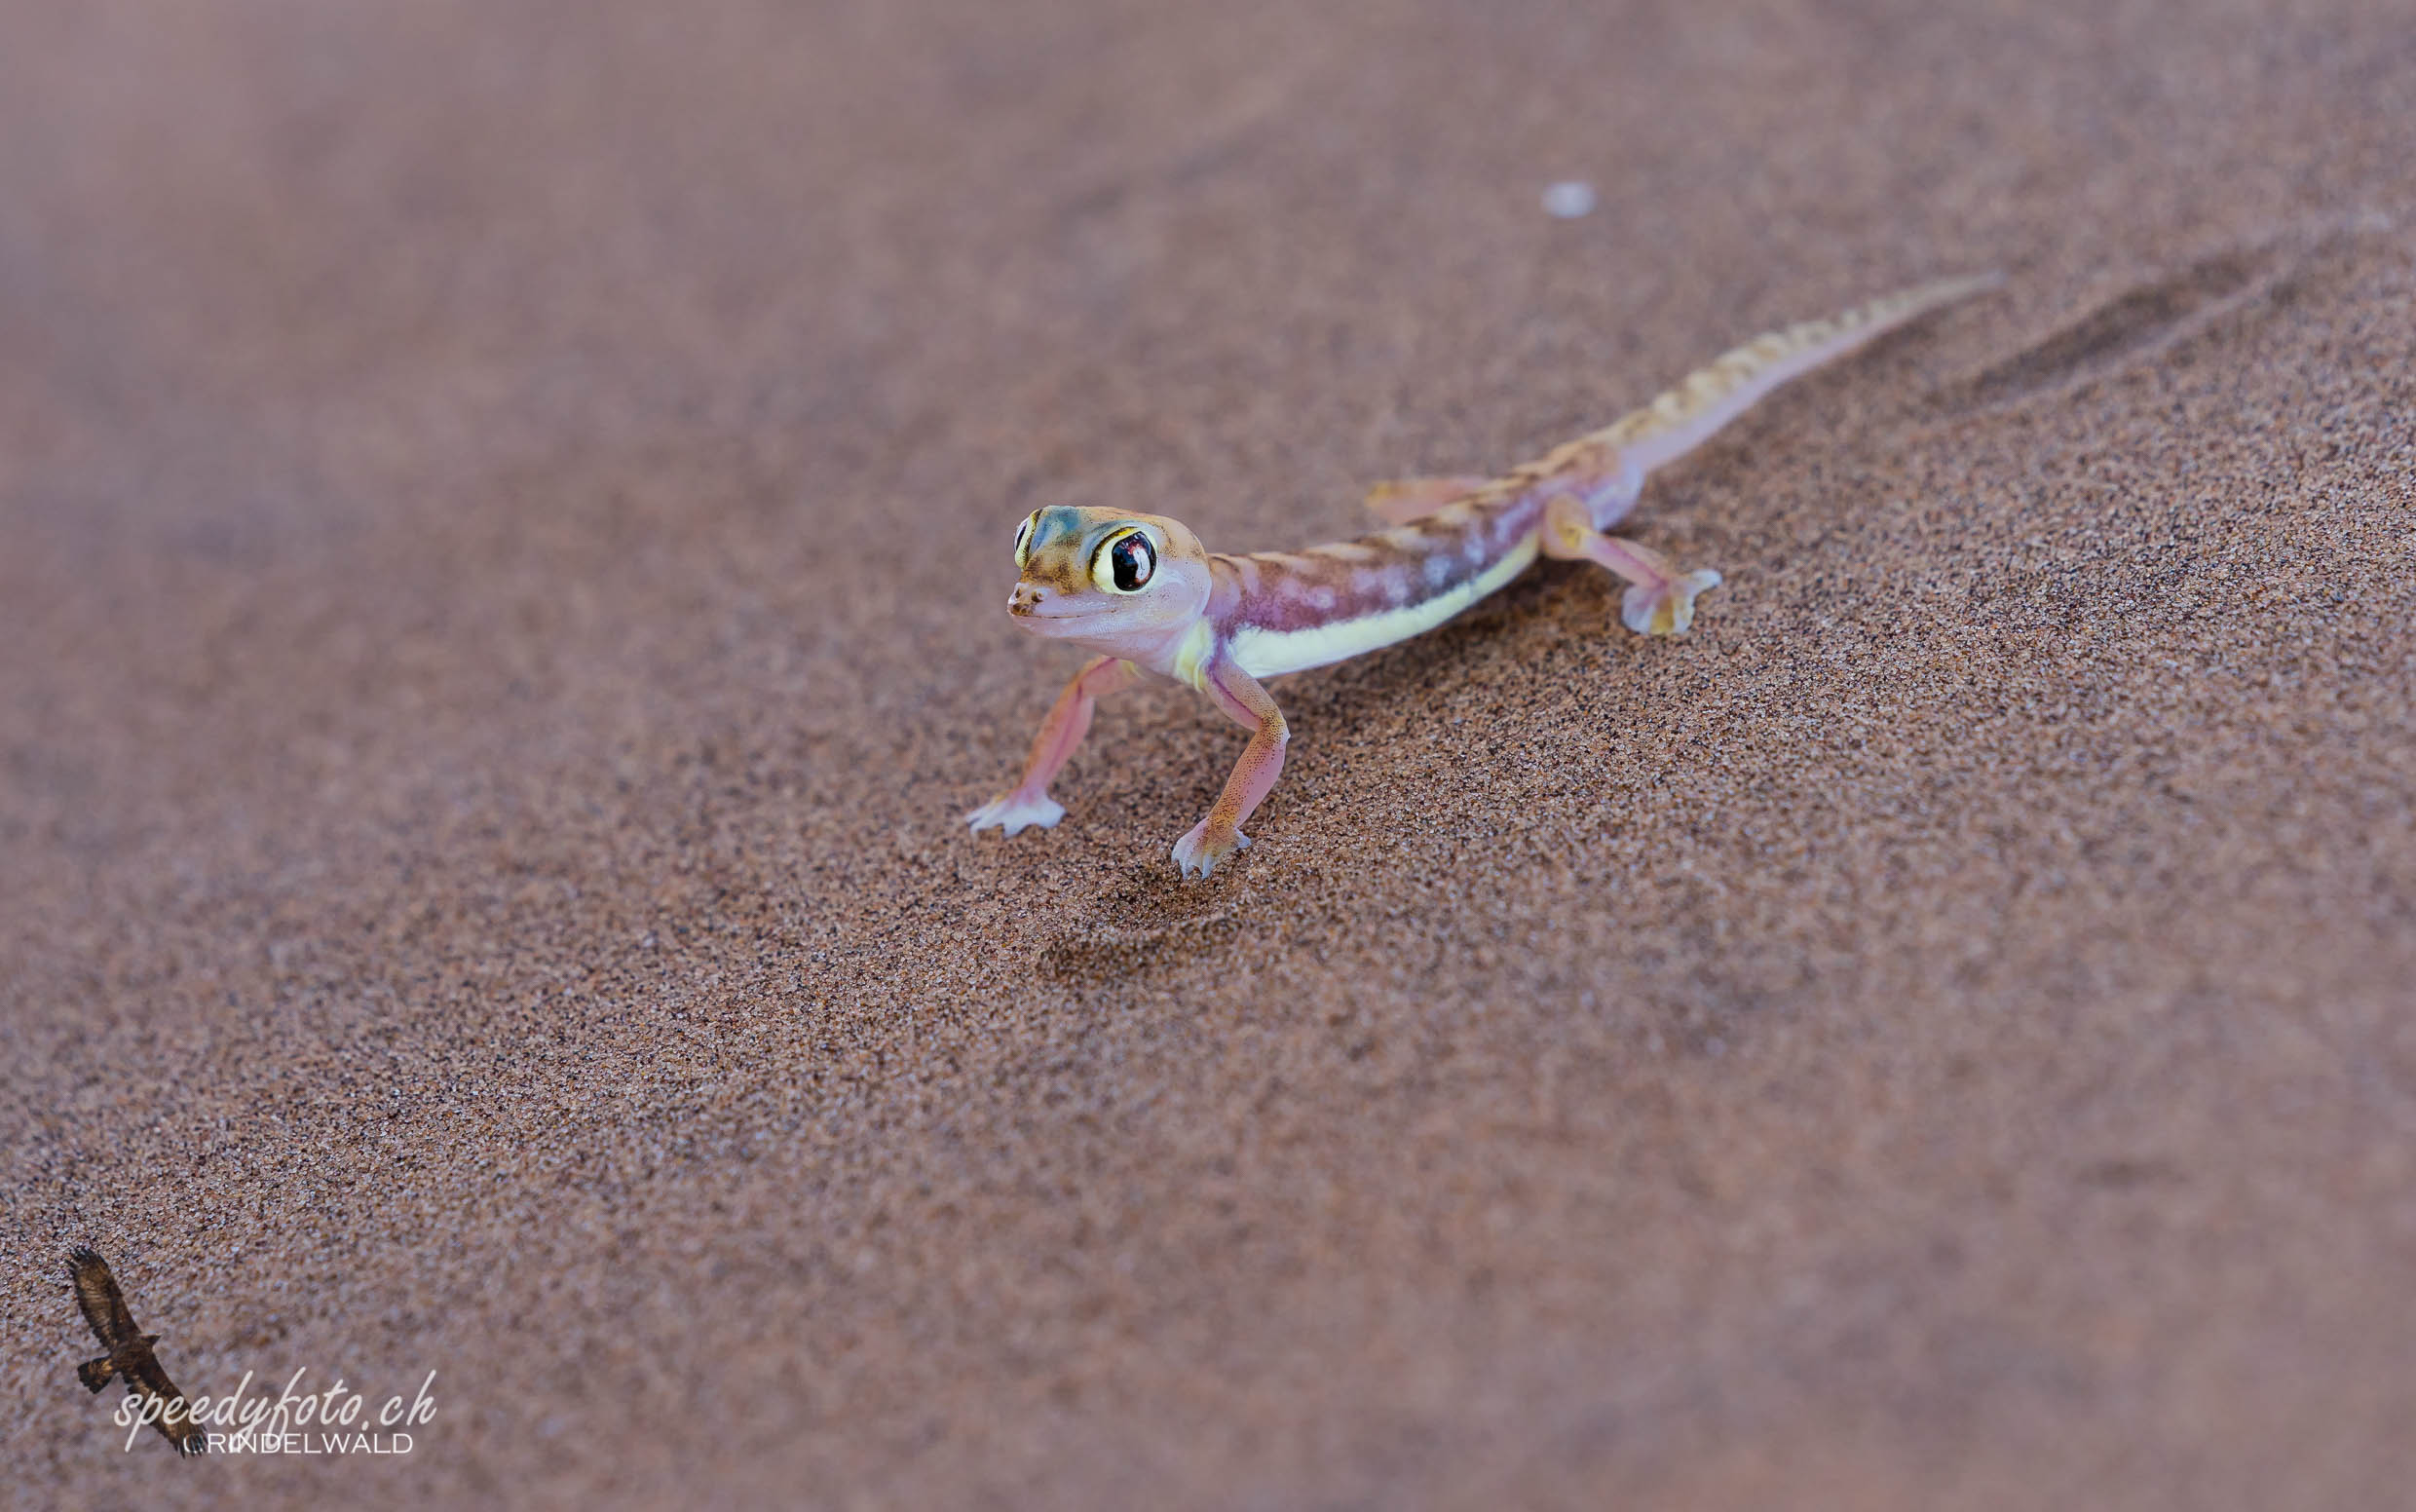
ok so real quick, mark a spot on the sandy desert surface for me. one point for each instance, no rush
(504, 528)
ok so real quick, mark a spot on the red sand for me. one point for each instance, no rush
(503, 519)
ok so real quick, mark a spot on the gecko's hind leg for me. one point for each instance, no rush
(1659, 601)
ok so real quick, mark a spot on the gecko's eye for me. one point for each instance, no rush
(1124, 562)
(1023, 538)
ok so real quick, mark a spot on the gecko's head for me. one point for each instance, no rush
(1119, 583)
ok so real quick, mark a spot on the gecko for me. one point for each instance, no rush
(1143, 594)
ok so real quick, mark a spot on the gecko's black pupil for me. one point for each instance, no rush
(1132, 560)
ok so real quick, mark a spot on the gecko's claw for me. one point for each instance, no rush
(1665, 608)
(1200, 851)
(1016, 813)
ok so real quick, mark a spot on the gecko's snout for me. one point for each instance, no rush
(1025, 599)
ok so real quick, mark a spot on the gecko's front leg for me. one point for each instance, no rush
(1028, 803)
(1217, 836)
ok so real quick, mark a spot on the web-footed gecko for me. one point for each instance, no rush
(1142, 592)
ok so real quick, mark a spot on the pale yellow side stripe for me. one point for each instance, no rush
(1266, 653)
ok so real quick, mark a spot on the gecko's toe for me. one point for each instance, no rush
(1202, 851)
(1665, 608)
(1016, 814)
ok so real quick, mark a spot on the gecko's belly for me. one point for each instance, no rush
(1264, 651)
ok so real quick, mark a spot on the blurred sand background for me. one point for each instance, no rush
(503, 524)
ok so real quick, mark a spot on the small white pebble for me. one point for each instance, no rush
(1568, 199)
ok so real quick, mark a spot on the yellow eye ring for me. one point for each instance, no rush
(1126, 561)
(1023, 539)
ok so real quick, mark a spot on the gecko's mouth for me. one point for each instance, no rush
(1063, 627)
(1104, 627)
(1124, 623)
(1049, 617)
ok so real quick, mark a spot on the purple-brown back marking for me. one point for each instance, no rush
(1408, 564)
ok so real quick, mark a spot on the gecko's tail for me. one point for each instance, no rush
(1686, 416)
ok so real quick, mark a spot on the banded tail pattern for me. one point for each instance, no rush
(1711, 396)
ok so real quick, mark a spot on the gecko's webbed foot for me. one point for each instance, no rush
(1666, 607)
(1208, 845)
(1016, 813)
(1660, 599)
